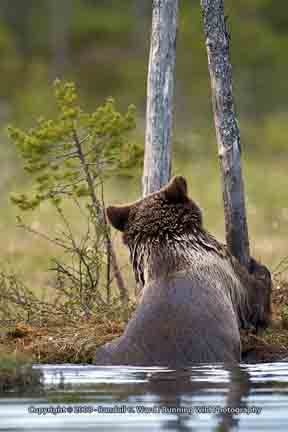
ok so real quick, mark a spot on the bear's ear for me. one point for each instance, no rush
(118, 216)
(176, 190)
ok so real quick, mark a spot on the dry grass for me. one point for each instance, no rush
(73, 343)
(272, 343)
(76, 342)
(66, 341)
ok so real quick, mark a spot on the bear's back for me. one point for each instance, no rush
(185, 323)
(184, 318)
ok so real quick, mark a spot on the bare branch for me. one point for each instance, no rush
(42, 235)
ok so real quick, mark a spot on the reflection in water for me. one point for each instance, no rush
(178, 388)
(238, 391)
(155, 399)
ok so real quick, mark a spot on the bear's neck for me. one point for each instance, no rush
(154, 259)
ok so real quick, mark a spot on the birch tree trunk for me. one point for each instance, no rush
(160, 90)
(227, 130)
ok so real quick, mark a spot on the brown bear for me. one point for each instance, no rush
(195, 294)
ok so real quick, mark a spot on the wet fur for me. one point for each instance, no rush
(195, 295)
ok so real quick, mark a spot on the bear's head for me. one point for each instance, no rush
(155, 224)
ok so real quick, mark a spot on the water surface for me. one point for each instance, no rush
(200, 398)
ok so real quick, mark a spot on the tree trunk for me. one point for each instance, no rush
(227, 130)
(160, 89)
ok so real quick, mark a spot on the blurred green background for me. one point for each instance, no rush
(103, 46)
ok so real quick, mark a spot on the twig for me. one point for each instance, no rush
(42, 235)
(99, 212)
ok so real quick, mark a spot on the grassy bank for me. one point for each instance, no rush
(76, 341)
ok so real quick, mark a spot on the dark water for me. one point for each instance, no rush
(203, 398)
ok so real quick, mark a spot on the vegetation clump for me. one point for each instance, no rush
(68, 159)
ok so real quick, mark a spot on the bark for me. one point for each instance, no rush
(227, 130)
(160, 89)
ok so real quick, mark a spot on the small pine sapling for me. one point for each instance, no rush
(68, 158)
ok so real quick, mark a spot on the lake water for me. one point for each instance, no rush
(200, 398)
